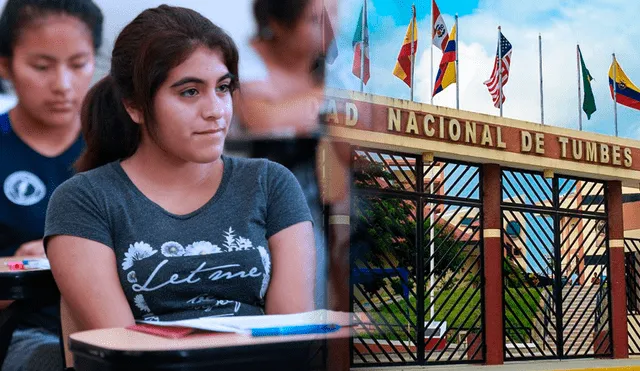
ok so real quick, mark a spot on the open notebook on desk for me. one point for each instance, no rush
(317, 321)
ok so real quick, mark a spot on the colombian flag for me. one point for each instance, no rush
(402, 69)
(447, 71)
(627, 93)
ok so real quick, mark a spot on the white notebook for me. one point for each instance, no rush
(244, 324)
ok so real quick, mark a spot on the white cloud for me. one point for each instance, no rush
(601, 27)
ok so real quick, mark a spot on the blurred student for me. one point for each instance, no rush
(282, 89)
(167, 225)
(47, 53)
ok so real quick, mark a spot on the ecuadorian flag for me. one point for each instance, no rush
(627, 93)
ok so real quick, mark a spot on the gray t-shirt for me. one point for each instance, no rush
(214, 261)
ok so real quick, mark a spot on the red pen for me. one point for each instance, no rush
(15, 266)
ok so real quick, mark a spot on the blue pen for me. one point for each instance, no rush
(294, 330)
(36, 264)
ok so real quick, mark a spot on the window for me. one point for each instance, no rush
(513, 228)
(466, 221)
(595, 260)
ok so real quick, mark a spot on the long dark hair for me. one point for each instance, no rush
(156, 41)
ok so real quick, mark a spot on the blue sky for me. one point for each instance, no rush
(401, 9)
(600, 26)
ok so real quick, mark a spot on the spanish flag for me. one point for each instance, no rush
(447, 71)
(627, 93)
(402, 69)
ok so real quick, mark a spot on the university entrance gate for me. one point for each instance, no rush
(475, 238)
(417, 264)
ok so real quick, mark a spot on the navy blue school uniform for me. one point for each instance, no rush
(28, 178)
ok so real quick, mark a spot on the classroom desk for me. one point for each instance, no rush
(124, 350)
(26, 284)
(28, 288)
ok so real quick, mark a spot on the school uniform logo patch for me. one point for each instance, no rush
(24, 188)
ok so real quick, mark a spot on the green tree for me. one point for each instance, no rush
(384, 231)
(515, 275)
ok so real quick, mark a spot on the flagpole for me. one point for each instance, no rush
(362, 46)
(322, 20)
(579, 88)
(500, 66)
(541, 84)
(615, 94)
(431, 49)
(457, 69)
(413, 57)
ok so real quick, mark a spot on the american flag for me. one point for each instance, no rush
(493, 84)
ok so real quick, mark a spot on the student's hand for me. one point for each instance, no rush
(32, 248)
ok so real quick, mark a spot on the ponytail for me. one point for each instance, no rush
(108, 131)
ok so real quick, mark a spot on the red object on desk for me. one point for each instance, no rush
(171, 332)
(15, 266)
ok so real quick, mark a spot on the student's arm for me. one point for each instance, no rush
(86, 274)
(264, 112)
(293, 268)
(291, 241)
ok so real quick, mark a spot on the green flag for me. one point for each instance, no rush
(588, 102)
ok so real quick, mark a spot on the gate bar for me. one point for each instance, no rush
(557, 271)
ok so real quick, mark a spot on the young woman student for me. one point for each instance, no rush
(47, 53)
(158, 224)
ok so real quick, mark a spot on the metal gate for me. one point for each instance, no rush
(416, 260)
(555, 263)
(632, 275)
